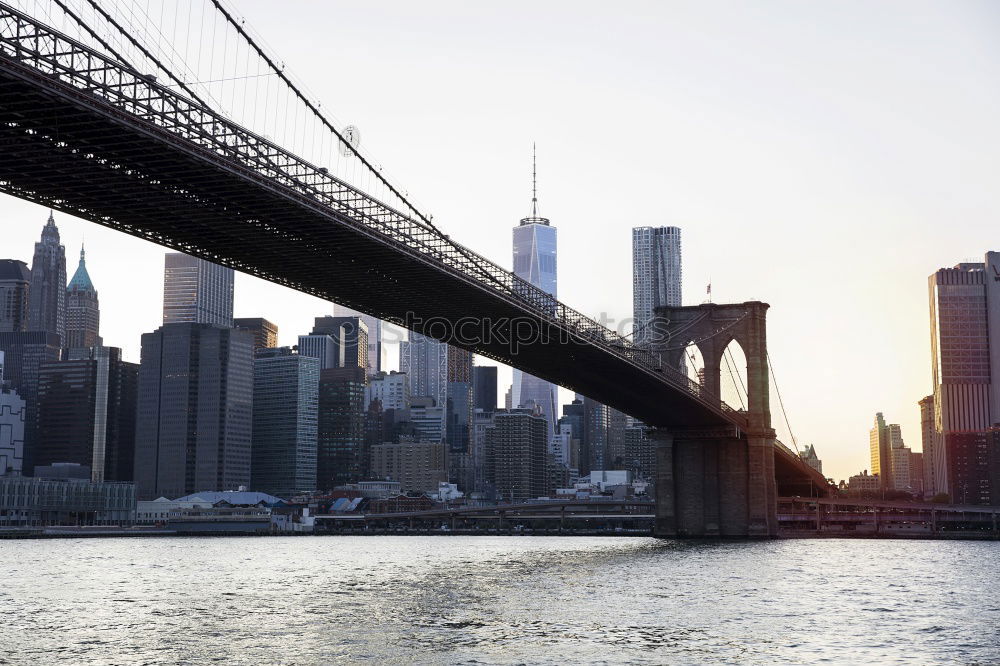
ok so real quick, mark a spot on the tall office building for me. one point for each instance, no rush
(12, 417)
(595, 435)
(573, 415)
(481, 421)
(350, 338)
(459, 407)
(196, 291)
(965, 356)
(890, 457)
(285, 422)
(878, 451)
(320, 347)
(617, 423)
(25, 352)
(15, 283)
(425, 362)
(917, 473)
(375, 361)
(83, 310)
(535, 262)
(484, 387)
(47, 295)
(974, 466)
(87, 412)
(561, 445)
(341, 456)
(265, 334)
(927, 444)
(640, 450)
(656, 274)
(391, 389)
(516, 454)
(427, 419)
(459, 417)
(195, 413)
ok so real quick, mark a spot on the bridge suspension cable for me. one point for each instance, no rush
(203, 48)
(120, 89)
(782, 404)
(735, 377)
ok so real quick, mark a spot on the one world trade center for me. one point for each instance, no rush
(535, 262)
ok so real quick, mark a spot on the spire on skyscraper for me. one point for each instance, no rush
(47, 294)
(534, 181)
(81, 278)
(83, 309)
(534, 219)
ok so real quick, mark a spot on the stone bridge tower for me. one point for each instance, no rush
(717, 480)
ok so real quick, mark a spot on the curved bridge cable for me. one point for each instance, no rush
(316, 112)
(738, 375)
(782, 404)
(142, 49)
(93, 33)
(279, 71)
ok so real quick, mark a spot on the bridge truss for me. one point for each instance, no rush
(92, 136)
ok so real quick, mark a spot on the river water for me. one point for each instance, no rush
(485, 600)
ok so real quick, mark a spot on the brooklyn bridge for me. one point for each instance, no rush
(100, 121)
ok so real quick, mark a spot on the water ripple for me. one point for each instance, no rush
(496, 600)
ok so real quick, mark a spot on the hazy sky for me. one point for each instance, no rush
(822, 157)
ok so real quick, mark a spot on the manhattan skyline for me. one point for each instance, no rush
(823, 201)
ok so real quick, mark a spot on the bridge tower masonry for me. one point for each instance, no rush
(716, 479)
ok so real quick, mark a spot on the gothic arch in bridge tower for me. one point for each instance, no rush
(717, 481)
(711, 327)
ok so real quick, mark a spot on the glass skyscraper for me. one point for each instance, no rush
(196, 291)
(965, 353)
(15, 281)
(341, 457)
(195, 410)
(425, 361)
(285, 426)
(87, 408)
(535, 262)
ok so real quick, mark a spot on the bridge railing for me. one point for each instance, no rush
(56, 58)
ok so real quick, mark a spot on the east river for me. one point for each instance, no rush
(485, 600)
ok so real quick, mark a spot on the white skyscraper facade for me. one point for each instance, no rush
(391, 389)
(656, 274)
(535, 262)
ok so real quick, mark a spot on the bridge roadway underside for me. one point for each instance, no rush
(63, 148)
